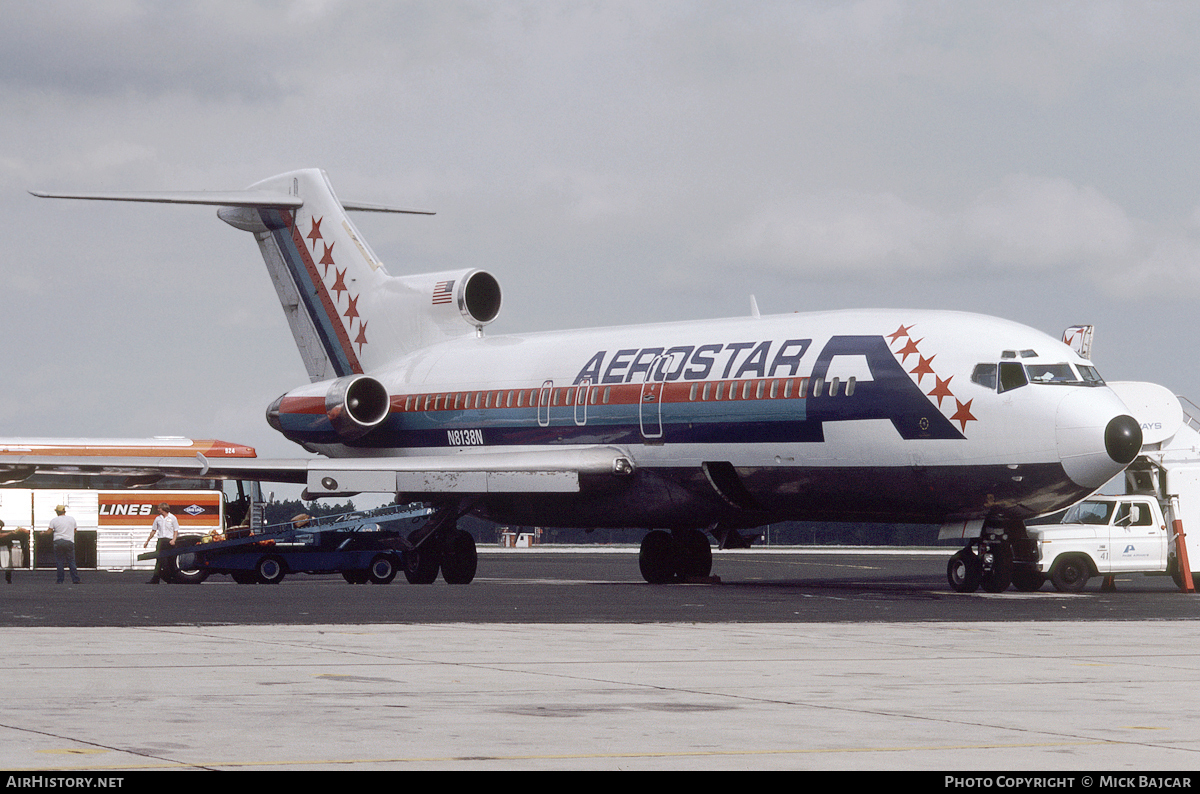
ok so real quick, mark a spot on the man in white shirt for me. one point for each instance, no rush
(62, 527)
(166, 527)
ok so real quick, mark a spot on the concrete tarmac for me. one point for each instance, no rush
(1055, 693)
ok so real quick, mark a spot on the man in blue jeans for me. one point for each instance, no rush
(62, 526)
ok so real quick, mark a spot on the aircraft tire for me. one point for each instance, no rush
(693, 554)
(964, 572)
(656, 558)
(1071, 574)
(460, 559)
(421, 565)
(1027, 578)
(1000, 576)
(270, 570)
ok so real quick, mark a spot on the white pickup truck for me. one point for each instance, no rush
(1101, 535)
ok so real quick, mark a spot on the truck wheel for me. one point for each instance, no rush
(270, 570)
(964, 572)
(1070, 575)
(183, 569)
(382, 570)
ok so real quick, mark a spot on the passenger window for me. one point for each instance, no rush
(1012, 376)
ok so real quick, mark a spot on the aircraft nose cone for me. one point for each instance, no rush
(1123, 439)
(1096, 436)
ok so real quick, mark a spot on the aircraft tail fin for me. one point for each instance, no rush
(347, 314)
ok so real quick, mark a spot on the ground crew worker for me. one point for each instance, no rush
(166, 527)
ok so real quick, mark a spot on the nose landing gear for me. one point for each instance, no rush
(986, 562)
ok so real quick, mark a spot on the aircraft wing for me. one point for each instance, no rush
(532, 471)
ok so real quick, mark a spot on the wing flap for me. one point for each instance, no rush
(534, 471)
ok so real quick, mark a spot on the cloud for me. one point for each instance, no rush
(1039, 222)
(1025, 224)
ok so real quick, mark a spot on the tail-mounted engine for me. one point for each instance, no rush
(330, 411)
(454, 296)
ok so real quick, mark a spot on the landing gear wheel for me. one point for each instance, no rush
(382, 570)
(1070, 575)
(270, 570)
(459, 557)
(964, 572)
(656, 559)
(997, 577)
(1027, 579)
(422, 563)
(693, 554)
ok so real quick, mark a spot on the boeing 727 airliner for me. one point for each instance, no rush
(968, 422)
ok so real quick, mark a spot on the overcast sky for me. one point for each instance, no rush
(609, 162)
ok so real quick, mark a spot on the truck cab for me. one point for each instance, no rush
(1103, 535)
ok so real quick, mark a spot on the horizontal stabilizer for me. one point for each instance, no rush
(260, 199)
(222, 198)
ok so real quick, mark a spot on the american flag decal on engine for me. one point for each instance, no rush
(443, 292)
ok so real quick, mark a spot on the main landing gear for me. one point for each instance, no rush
(441, 546)
(681, 555)
(995, 560)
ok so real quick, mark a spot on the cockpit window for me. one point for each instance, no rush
(1012, 376)
(1051, 373)
(1089, 513)
(984, 375)
(1062, 374)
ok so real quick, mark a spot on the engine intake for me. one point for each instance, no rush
(344, 409)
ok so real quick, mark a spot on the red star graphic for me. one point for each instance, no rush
(352, 312)
(315, 234)
(923, 367)
(361, 339)
(339, 284)
(910, 348)
(901, 331)
(963, 414)
(942, 389)
(327, 259)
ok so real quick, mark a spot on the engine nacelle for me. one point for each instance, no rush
(330, 411)
(454, 296)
